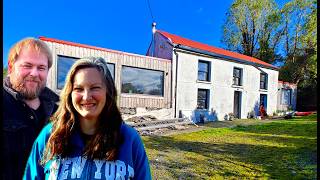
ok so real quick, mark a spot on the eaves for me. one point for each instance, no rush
(190, 50)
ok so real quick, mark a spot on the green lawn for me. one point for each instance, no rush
(282, 149)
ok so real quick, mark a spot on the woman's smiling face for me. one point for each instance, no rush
(88, 93)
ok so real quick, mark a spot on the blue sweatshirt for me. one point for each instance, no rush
(132, 161)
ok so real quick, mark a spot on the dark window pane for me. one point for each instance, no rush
(236, 81)
(237, 75)
(141, 81)
(203, 66)
(111, 69)
(203, 71)
(202, 76)
(286, 96)
(203, 95)
(261, 85)
(64, 65)
(263, 81)
(236, 72)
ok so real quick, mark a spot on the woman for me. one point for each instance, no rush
(87, 138)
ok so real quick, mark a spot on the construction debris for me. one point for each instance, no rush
(150, 125)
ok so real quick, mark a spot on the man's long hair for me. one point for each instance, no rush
(106, 141)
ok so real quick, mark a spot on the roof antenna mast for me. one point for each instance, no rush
(153, 39)
(153, 30)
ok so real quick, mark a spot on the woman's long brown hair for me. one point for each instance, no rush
(107, 139)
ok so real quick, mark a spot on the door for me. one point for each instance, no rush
(263, 100)
(237, 104)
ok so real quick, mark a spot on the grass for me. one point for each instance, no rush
(282, 149)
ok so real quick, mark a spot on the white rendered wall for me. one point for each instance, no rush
(221, 89)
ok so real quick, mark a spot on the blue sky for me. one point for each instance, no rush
(123, 25)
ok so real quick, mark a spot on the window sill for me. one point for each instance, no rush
(202, 110)
(141, 96)
(286, 104)
(263, 90)
(236, 86)
(204, 82)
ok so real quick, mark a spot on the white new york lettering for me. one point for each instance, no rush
(97, 174)
(110, 170)
(130, 172)
(121, 170)
(64, 170)
(77, 166)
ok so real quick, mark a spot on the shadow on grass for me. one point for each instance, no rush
(284, 162)
(312, 117)
(288, 128)
(290, 152)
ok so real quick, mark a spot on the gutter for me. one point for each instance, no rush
(176, 80)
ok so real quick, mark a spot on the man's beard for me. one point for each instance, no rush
(19, 84)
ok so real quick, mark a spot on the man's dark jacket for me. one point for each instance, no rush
(20, 128)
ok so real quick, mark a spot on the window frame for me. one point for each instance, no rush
(114, 70)
(208, 72)
(206, 100)
(240, 78)
(143, 94)
(59, 70)
(75, 59)
(265, 81)
(283, 91)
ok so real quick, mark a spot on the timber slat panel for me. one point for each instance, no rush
(118, 59)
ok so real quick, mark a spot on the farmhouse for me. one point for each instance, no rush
(181, 78)
(210, 83)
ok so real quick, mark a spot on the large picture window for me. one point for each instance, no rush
(64, 65)
(203, 99)
(237, 76)
(263, 81)
(204, 71)
(141, 81)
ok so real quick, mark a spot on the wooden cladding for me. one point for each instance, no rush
(119, 59)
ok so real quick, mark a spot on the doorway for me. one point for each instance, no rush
(263, 100)
(237, 104)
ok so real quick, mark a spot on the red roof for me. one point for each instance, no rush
(193, 44)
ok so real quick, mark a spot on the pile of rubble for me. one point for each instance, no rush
(150, 125)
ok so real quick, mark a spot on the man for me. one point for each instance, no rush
(27, 103)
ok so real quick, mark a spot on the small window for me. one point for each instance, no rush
(263, 80)
(237, 76)
(286, 95)
(141, 81)
(64, 65)
(204, 71)
(203, 99)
